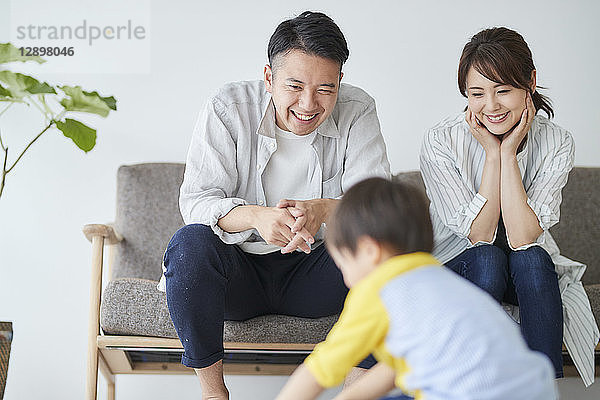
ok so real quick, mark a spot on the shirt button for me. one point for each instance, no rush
(260, 203)
(272, 145)
(258, 167)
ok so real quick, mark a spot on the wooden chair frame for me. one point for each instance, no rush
(111, 354)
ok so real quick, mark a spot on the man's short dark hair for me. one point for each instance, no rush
(395, 214)
(311, 32)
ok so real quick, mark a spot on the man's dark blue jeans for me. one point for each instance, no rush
(209, 281)
(526, 278)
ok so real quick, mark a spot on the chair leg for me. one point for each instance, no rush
(108, 375)
(111, 391)
(94, 318)
(91, 385)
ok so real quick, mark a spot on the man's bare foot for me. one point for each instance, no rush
(212, 383)
(215, 397)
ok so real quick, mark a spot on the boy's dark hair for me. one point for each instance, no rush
(311, 32)
(395, 214)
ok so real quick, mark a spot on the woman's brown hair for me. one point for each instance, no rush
(503, 56)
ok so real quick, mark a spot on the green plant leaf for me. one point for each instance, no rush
(4, 92)
(9, 53)
(20, 85)
(82, 135)
(90, 102)
(111, 102)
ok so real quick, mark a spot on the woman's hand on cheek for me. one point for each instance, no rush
(487, 139)
(510, 143)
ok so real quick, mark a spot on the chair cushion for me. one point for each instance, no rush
(411, 177)
(133, 306)
(593, 292)
(578, 232)
(147, 216)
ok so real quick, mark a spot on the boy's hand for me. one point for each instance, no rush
(374, 384)
(302, 385)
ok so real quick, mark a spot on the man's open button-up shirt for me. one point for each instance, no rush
(234, 139)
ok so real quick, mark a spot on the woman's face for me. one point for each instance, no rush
(497, 106)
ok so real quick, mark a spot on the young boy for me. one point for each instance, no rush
(435, 335)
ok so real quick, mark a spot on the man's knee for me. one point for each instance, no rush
(191, 235)
(189, 243)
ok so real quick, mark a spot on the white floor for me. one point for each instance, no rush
(262, 387)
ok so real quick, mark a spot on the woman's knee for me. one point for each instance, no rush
(488, 270)
(489, 253)
(533, 268)
(488, 259)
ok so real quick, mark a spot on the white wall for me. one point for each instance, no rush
(405, 54)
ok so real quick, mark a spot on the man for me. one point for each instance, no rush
(266, 165)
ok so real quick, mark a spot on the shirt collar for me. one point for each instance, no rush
(395, 266)
(266, 127)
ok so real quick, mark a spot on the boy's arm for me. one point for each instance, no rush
(302, 385)
(378, 381)
(362, 326)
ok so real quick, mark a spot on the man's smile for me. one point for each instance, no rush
(303, 117)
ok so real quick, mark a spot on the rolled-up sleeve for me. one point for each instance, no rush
(366, 154)
(362, 326)
(544, 193)
(455, 203)
(210, 175)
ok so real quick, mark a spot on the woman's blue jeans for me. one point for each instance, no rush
(526, 278)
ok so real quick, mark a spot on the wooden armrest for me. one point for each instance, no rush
(106, 231)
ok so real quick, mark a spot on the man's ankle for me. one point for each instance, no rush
(212, 382)
(216, 396)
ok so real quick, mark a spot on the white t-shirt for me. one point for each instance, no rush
(286, 175)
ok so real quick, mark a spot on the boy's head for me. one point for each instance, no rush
(375, 220)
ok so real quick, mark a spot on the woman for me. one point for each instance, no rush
(494, 176)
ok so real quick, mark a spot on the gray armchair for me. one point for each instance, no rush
(130, 330)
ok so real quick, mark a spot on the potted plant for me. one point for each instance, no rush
(54, 102)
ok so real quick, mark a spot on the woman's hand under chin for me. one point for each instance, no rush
(511, 141)
(487, 139)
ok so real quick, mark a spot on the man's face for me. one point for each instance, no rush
(304, 89)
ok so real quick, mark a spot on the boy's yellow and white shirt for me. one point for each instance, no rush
(445, 338)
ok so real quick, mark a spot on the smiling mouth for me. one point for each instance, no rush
(303, 117)
(497, 118)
